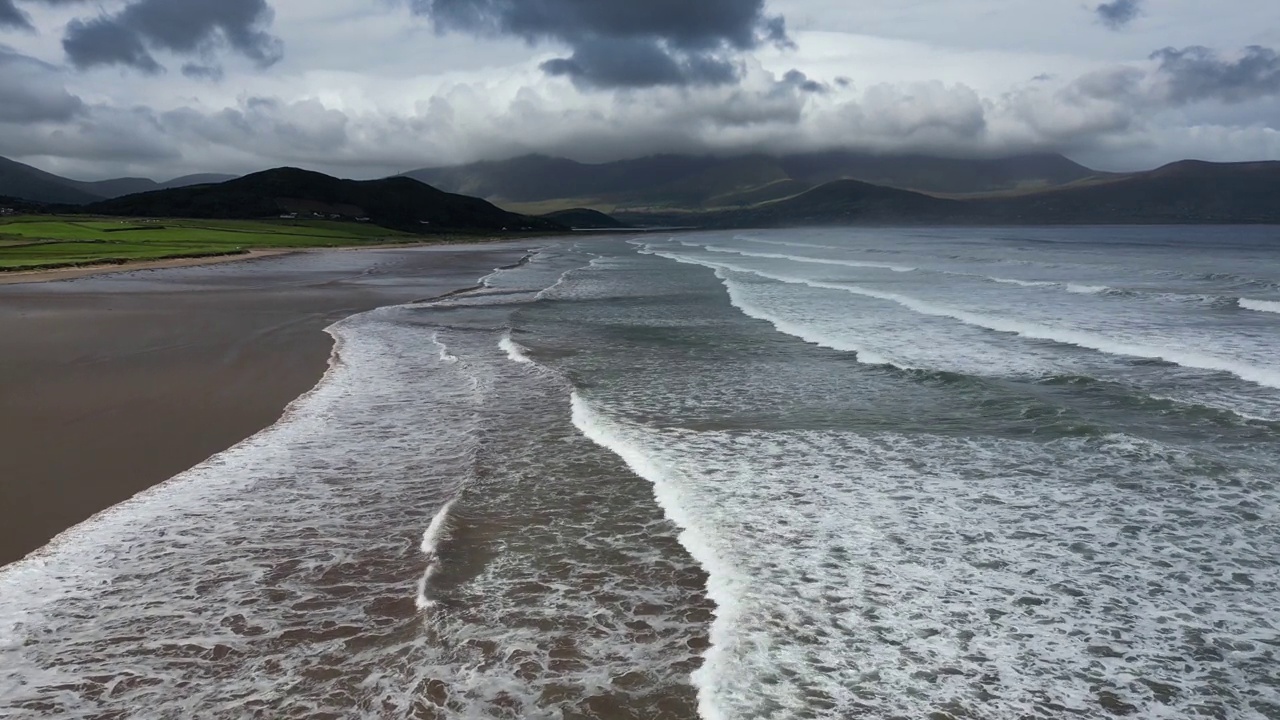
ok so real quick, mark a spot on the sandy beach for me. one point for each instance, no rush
(112, 383)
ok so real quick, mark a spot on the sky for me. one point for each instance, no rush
(94, 89)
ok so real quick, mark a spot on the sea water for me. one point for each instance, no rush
(1014, 473)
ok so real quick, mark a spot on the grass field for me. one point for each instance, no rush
(42, 242)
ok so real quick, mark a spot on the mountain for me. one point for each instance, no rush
(939, 175)
(119, 187)
(197, 179)
(584, 219)
(1189, 191)
(706, 182)
(1181, 193)
(116, 187)
(28, 183)
(400, 203)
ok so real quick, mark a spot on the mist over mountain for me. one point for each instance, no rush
(29, 183)
(701, 182)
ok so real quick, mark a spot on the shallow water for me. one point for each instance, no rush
(820, 473)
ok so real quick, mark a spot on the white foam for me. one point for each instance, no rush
(722, 587)
(1268, 306)
(808, 260)
(445, 355)
(788, 243)
(1265, 376)
(1022, 283)
(738, 298)
(896, 576)
(514, 350)
(437, 532)
(1087, 289)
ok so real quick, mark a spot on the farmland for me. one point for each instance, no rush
(45, 242)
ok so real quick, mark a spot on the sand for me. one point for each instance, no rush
(110, 384)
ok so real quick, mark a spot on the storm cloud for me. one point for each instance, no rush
(377, 87)
(11, 16)
(32, 91)
(184, 27)
(1196, 73)
(622, 43)
(1118, 13)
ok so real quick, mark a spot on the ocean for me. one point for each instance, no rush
(837, 473)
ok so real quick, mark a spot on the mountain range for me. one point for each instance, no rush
(538, 192)
(1186, 192)
(29, 183)
(536, 183)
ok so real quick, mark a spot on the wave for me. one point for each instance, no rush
(486, 281)
(445, 355)
(737, 299)
(1021, 283)
(788, 244)
(1266, 377)
(721, 588)
(810, 260)
(1268, 306)
(1087, 289)
(548, 291)
(435, 534)
(514, 350)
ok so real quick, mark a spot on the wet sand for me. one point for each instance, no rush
(113, 383)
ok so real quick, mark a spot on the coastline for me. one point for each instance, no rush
(116, 382)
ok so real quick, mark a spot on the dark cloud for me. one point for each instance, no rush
(638, 63)
(623, 43)
(185, 27)
(11, 16)
(196, 71)
(32, 91)
(800, 81)
(106, 41)
(1118, 13)
(1198, 73)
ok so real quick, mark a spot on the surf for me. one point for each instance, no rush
(1266, 377)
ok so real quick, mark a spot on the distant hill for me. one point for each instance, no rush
(398, 203)
(1186, 192)
(119, 187)
(27, 183)
(708, 182)
(1189, 191)
(584, 219)
(197, 179)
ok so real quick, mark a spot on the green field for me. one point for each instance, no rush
(41, 242)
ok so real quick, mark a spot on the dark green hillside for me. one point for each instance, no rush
(584, 219)
(400, 203)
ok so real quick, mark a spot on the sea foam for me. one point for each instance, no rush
(1269, 306)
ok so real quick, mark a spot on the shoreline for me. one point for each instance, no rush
(118, 382)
